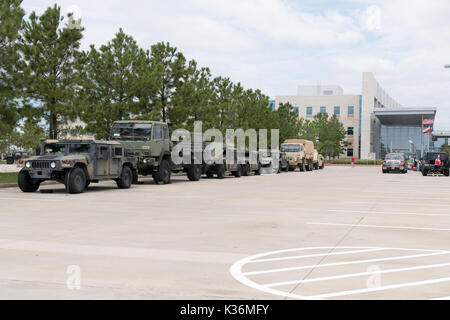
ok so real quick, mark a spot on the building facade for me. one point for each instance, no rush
(376, 124)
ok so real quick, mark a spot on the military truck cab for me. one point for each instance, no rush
(150, 143)
(295, 154)
(77, 163)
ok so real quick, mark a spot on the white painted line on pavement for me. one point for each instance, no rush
(442, 298)
(315, 255)
(382, 288)
(375, 226)
(391, 213)
(345, 263)
(37, 199)
(352, 275)
(397, 203)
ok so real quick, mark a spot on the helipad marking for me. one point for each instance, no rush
(352, 275)
(345, 263)
(382, 288)
(375, 226)
(236, 272)
(315, 255)
(391, 213)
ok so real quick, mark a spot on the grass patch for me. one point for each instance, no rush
(8, 177)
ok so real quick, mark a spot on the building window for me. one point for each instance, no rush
(328, 92)
(349, 152)
(350, 131)
(296, 110)
(323, 109)
(351, 111)
(337, 110)
(309, 111)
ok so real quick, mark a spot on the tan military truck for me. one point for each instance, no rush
(321, 161)
(309, 154)
(295, 153)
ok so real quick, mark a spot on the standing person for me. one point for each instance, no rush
(437, 162)
(353, 162)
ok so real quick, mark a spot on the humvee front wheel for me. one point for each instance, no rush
(10, 160)
(26, 183)
(162, 176)
(194, 172)
(126, 178)
(75, 180)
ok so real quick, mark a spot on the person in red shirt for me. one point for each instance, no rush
(353, 162)
(437, 162)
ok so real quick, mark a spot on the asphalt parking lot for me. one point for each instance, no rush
(338, 233)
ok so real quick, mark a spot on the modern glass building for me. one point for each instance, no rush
(375, 123)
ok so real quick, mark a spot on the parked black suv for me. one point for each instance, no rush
(428, 163)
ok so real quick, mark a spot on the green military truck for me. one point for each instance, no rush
(77, 163)
(149, 142)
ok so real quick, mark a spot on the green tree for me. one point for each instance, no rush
(169, 67)
(49, 51)
(329, 134)
(28, 135)
(288, 122)
(112, 80)
(11, 15)
(192, 100)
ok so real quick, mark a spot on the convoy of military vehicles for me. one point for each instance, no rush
(144, 148)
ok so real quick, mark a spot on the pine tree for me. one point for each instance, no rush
(112, 83)
(11, 15)
(49, 51)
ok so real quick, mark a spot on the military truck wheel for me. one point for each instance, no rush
(238, 172)
(75, 180)
(303, 167)
(220, 171)
(9, 160)
(26, 183)
(135, 177)
(424, 173)
(258, 172)
(162, 176)
(246, 171)
(209, 174)
(279, 168)
(87, 184)
(194, 172)
(126, 178)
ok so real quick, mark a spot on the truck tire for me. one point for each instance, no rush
(209, 174)
(279, 168)
(75, 180)
(9, 160)
(302, 167)
(246, 171)
(135, 177)
(424, 173)
(162, 176)
(87, 184)
(446, 172)
(194, 172)
(220, 170)
(287, 168)
(238, 172)
(25, 182)
(258, 172)
(126, 178)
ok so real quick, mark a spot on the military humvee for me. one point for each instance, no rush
(222, 167)
(295, 154)
(149, 142)
(18, 155)
(267, 158)
(77, 163)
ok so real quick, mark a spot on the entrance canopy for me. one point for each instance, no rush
(404, 116)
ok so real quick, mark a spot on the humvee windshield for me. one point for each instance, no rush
(62, 148)
(132, 131)
(290, 148)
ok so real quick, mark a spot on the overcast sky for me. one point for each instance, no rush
(275, 45)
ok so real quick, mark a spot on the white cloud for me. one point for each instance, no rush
(371, 19)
